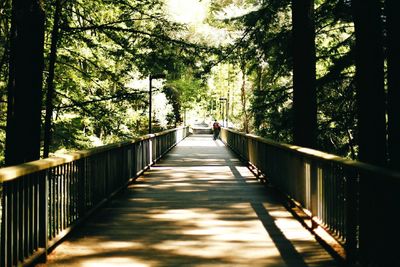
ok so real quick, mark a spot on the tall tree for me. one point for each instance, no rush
(371, 123)
(370, 81)
(50, 80)
(393, 22)
(304, 92)
(243, 97)
(25, 82)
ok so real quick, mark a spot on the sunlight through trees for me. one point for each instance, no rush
(240, 61)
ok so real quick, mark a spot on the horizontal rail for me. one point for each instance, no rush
(43, 200)
(12, 172)
(355, 202)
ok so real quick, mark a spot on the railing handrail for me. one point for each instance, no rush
(323, 156)
(346, 198)
(13, 172)
(44, 200)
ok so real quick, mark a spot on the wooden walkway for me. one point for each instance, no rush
(199, 206)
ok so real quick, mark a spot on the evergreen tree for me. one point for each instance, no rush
(393, 80)
(304, 92)
(370, 81)
(25, 82)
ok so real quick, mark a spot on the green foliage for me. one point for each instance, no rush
(70, 133)
(184, 93)
(105, 48)
(5, 17)
(265, 46)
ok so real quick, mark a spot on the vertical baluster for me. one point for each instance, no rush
(328, 198)
(134, 159)
(43, 214)
(6, 230)
(13, 220)
(17, 221)
(342, 204)
(140, 156)
(58, 200)
(33, 210)
(320, 191)
(29, 209)
(64, 195)
(81, 199)
(144, 158)
(72, 192)
(107, 172)
(351, 193)
(36, 211)
(25, 220)
(90, 174)
(50, 203)
(67, 193)
(54, 201)
(315, 168)
(325, 183)
(60, 197)
(339, 192)
(21, 215)
(334, 201)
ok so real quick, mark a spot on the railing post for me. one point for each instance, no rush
(81, 197)
(367, 203)
(135, 158)
(5, 227)
(314, 191)
(351, 217)
(43, 212)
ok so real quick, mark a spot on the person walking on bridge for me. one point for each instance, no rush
(216, 129)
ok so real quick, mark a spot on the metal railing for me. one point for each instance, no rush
(356, 203)
(41, 201)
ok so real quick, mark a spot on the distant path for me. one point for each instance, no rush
(199, 206)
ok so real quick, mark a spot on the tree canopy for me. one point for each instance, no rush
(235, 62)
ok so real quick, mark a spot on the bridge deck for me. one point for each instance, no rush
(199, 206)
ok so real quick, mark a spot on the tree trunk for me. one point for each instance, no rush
(393, 22)
(304, 92)
(370, 82)
(243, 98)
(371, 128)
(50, 81)
(25, 82)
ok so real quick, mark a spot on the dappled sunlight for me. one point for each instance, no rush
(120, 245)
(280, 214)
(217, 237)
(116, 261)
(220, 249)
(77, 250)
(198, 143)
(246, 173)
(201, 141)
(291, 229)
(205, 160)
(181, 214)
